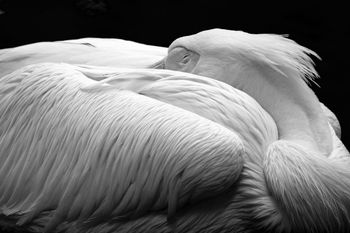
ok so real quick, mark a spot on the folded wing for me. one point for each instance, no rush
(72, 155)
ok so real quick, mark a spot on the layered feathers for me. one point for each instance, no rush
(310, 190)
(109, 152)
(93, 149)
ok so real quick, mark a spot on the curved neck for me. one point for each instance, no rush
(292, 104)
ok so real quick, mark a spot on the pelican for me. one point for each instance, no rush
(100, 52)
(239, 143)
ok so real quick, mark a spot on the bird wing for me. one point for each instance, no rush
(68, 154)
(91, 51)
(209, 98)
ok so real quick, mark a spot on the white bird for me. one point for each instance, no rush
(99, 52)
(160, 151)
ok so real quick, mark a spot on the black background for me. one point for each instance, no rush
(322, 27)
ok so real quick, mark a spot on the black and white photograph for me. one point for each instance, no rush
(174, 117)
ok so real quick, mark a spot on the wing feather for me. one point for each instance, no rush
(114, 148)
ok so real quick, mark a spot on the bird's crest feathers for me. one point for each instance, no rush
(279, 53)
(276, 51)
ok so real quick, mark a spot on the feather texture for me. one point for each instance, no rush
(96, 156)
(306, 170)
(103, 149)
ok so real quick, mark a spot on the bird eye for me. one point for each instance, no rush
(186, 58)
(180, 58)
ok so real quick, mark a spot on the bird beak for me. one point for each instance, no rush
(158, 65)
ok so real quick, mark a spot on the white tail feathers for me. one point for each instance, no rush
(312, 191)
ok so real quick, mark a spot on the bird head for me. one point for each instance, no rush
(225, 55)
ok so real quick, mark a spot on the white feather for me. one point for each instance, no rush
(119, 149)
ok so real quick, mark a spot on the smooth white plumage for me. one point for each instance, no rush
(144, 150)
(87, 51)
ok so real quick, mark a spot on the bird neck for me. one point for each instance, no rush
(292, 104)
